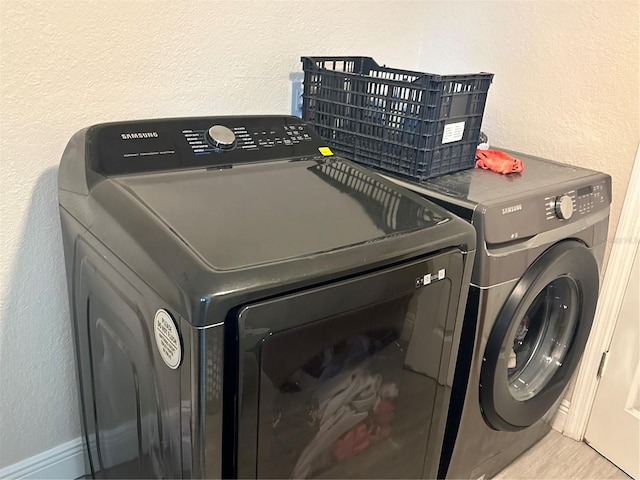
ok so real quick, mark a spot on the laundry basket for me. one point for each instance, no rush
(418, 125)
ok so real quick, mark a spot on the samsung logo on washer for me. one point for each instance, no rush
(131, 136)
(512, 208)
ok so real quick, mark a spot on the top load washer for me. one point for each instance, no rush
(245, 304)
(541, 242)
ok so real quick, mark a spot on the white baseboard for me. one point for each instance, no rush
(65, 461)
(561, 416)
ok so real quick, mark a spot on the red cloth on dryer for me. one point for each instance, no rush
(498, 162)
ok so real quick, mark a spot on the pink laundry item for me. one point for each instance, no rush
(498, 162)
(375, 428)
(383, 414)
(353, 442)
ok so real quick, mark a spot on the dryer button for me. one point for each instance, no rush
(221, 137)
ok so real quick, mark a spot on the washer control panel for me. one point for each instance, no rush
(580, 201)
(526, 216)
(587, 198)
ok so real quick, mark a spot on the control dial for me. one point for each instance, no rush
(221, 137)
(564, 207)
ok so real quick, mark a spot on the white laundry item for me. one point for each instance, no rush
(351, 388)
(354, 395)
(327, 389)
(366, 398)
(343, 420)
(513, 360)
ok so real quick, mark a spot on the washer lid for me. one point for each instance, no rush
(264, 213)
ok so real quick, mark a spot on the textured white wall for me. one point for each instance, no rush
(566, 83)
(68, 65)
(566, 87)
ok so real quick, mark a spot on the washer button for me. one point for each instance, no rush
(564, 207)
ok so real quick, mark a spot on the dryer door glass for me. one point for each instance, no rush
(538, 337)
(542, 338)
(342, 397)
(345, 381)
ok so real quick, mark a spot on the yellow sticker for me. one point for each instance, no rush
(325, 151)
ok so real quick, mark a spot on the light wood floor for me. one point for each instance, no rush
(557, 457)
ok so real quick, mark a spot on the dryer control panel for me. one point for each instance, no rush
(220, 138)
(211, 142)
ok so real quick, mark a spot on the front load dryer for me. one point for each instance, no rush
(245, 304)
(541, 242)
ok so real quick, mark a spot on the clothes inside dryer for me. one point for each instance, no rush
(344, 401)
(347, 396)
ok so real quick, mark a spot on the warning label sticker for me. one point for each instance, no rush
(325, 151)
(167, 339)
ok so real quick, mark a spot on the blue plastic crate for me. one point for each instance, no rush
(418, 125)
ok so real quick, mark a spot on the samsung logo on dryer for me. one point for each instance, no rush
(511, 209)
(132, 136)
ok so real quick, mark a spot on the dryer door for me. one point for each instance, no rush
(538, 337)
(346, 380)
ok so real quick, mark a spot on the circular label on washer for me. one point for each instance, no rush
(167, 339)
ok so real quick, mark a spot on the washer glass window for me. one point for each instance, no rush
(542, 338)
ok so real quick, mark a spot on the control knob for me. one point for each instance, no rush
(221, 137)
(564, 207)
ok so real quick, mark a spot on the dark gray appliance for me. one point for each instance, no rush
(541, 241)
(245, 304)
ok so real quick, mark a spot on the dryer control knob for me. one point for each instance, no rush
(222, 137)
(564, 207)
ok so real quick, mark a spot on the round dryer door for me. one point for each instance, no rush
(538, 337)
